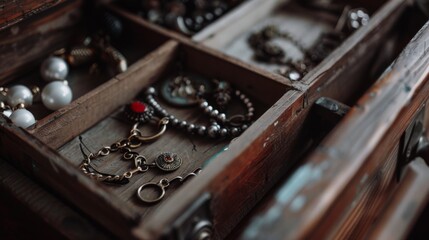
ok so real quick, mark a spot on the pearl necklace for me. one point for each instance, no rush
(55, 95)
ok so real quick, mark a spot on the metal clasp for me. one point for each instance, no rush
(159, 187)
(136, 139)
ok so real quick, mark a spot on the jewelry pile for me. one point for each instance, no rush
(265, 50)
(210, 97)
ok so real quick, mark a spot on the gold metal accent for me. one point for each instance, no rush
(3, 91)
(135, 140)
(60, 52)
(20, 106)
(35, 90)
(162, 185)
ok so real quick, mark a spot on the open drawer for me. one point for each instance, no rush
(341, 190)
(236, 174)
(307, 24)
(405, 205)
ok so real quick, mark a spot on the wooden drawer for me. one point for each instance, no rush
(236, 174)
(405, 205)
(361, 181)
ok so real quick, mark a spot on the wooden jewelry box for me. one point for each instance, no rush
(291, 119)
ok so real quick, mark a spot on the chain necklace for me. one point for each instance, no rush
(265, 50)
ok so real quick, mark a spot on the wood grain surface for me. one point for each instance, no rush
(45, 215)
(12, 12)
(351, 165)
(236, 177)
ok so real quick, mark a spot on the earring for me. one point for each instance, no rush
(17, 98)
(56, 94)
(21, 117)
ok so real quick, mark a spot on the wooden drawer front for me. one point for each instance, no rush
(236, 174)
(403, 208)
(342, 188)
(16, 11)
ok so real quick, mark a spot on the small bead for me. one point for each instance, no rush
(22, 118)
(202, 130)
(213, 131)
(244, 127)
(246, 100)
(19, 94)
(251, 110)
(175, 122)
(157, 107)
(183, 124)
(214, 113)
(208, 109)
(204, 104)
(235, 131)
(54, 69)
(242, 96)
(249, 105)
(164, 113)
(222, 117)
(150, 91)
(224, 132)
(237, 92)
(171, 117)
(191, 128)
(56, 95)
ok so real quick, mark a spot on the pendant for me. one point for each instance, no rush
(168, 162)
(183, 90)
(139, 112)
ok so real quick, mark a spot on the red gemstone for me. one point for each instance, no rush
(168, 158)
(138, 107)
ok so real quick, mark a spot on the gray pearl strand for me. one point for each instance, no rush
(221, 117)
(213, 131)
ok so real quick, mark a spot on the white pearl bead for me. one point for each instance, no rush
(22, 118)
(56, 95)
(19, 94)
(7, 112)
(54, 69)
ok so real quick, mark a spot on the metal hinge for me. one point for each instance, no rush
(194, 224)
(413, 143)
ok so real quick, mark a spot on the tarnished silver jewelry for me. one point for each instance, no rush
(181, 91)
(357, 18)
(168, 161)
(236, 120)
(267, 51)
(161, 186)
(220, 127)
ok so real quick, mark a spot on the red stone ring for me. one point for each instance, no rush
(138, 111)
